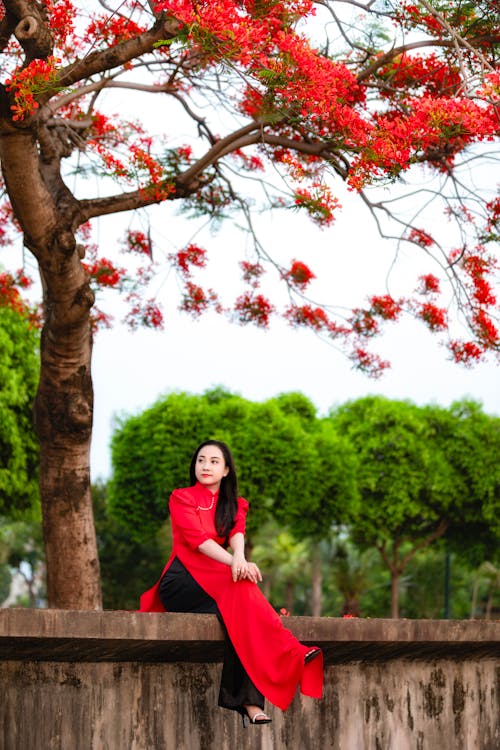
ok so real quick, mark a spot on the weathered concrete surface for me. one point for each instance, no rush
(129, 681)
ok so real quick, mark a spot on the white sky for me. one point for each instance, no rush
(132, 370)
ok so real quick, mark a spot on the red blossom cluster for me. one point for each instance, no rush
(429, 284)
(105, 273)
(143, 313)
(62, 16)
(28, 82)
(419, 237)
(99, 319)
(429, 75)
(315, 318)
(493, 209)
(252, 273)
(185, 153)
(477, 266)
(235, 30)
(196, 300)
(319, 203)
(299, 275)
(7, 222)
(412, 16)
(192, 255)
(368, 362)
(435, 317)
(251, 162)
(138, 242)
(111, 30)
(10, 295)
(364, 323)
(386, 307)
(253, 308)
(466, 352)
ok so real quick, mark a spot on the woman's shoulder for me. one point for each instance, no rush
(242, 503)
(184, 494)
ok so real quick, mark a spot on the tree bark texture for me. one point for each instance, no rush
(394, 595)
(316, 596)
(64, 404)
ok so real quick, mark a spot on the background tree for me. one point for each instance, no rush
(128, 567)
(21, 557)
(325, 501)
(469, 439)
(19, 368)
(405, 483)
(285, 564)
(318, 97)
(487, 576)
(276, 459)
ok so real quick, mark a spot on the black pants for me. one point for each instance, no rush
(179, 592)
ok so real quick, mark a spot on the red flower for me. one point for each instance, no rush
(435, 317)
(466, 353)
(299, 275)
(430, 284)
(192, 255)
(252, 273)
(253, 308)
(386, 307)
(104, 272)
(419, 237)
(305, 315)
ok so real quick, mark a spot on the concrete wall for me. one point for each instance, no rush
(129, 681)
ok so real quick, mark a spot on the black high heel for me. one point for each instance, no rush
(312, 654)
(246, 718)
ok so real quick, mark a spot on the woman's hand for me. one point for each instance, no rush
(238, 566)
(241, 570)
(253, 573)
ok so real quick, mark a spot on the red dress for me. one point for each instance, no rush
(272, 657)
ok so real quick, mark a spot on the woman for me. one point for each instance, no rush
(262, 658)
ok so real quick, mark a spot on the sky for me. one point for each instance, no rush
(132, 370)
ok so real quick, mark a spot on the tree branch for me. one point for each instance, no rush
(443, 525)
(385, 557)
(105, 60)
(391, 54)
(455, 36)
(189, 181)
(93, 207)
(245, 137)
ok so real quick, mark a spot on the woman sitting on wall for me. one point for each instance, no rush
(262, 658)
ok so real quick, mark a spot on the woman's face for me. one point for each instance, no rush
(210, 467)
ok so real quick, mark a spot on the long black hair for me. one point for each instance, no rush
(225, 512)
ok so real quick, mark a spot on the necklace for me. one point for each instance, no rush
(209, 507)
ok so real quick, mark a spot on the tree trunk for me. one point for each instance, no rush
(395, 595)
(63, 421)
(64, 404)
(473, 604)
(489, 602)
(289, 595)
(316, 581)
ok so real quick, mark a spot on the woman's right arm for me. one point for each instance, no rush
(210, 548)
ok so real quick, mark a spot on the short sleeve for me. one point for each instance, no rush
(186, 520)
(241, 518)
